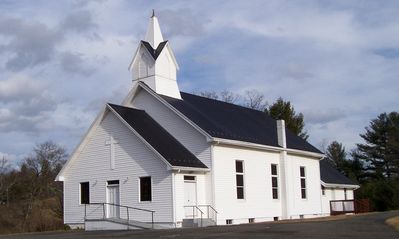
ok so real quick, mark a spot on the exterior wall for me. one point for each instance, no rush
(334, 194)
(201, 188)
(258, 202)
(165, 66)
(311, 206)
(133, 159)
(144, 65)
(160, 75)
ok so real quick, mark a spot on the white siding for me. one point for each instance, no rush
(334, 194)
(201, 188)
(144, 65)
(132, 160)
(165, 66)
(258, 202)
(310, 206)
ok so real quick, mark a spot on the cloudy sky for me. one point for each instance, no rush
(60, 61)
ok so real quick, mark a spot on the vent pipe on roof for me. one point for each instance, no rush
(281, 139)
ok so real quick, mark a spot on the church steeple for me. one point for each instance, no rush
(154, 62)
(153, 35)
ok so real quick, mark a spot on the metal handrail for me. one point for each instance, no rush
(123, 206)
(208, 206)
(214, 210)
(196, 207)
(112, 204)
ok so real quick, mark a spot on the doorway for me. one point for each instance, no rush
(113, 199)
(190, 196)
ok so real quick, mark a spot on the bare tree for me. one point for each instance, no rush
(7, 179)
(229, 97)
(208, 94)
(39, 171)
(255, 100)
(4, 167)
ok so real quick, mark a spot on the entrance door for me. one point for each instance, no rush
(113, 198)
(190, 197)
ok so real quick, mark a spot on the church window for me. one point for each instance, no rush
(240, 179)
(303, 182)
(274, 181)
(85, 193)
(145, 189)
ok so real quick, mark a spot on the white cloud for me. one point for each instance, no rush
(335, 61)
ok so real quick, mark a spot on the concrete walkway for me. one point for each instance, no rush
(370, 226)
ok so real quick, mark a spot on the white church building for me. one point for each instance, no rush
(164, 158)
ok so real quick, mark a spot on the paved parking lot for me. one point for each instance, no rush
(370, 226)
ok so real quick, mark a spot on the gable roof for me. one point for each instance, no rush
(164, 143)
(154, 52)
(329, 175)
(229, 121)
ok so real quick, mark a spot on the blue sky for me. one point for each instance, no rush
(60, 61)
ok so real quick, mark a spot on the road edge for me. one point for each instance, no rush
(393, 222)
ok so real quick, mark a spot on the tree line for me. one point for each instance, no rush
(30, 199)
(373, 164)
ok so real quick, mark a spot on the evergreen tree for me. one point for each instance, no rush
(380, 152)
(284, 110)
(337, 156)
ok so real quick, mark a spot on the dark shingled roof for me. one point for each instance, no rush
(328, 174)
(166, 145)
(228, 121)
(154, 52)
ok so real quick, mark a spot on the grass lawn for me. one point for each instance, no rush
(394, 221)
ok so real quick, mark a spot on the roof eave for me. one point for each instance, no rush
(78, 149)
(338, 185)
(193, 169)
(216, 140)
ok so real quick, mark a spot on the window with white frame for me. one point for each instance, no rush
(302, 172)
(240, 179)
(274, 174)
(323, 190)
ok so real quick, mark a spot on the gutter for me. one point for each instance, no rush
(266, 147)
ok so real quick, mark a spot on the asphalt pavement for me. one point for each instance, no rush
(368, 226)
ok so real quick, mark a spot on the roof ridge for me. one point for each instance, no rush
(223, 102)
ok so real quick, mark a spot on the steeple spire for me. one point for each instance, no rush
(154, 62)
(153, 35)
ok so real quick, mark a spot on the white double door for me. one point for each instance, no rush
(113, 211)
(190, 198)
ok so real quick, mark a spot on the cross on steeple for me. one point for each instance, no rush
(112, 143)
